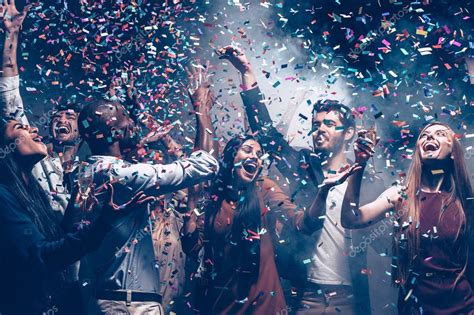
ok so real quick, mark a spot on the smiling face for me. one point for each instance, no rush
(247, 163)
(25, 142)
(64, 127)
(435, 143)
(329, 134)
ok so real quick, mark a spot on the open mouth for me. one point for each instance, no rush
(38, 139)
(250, 166)
(62, 129)
(430, 146)
(321, 138)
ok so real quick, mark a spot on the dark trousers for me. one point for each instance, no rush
(325, 299)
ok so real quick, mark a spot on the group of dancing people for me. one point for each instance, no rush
(81, 237)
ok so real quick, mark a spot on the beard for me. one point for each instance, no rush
(333, 145)
(130, 138)
(72, 141)
(129, 142)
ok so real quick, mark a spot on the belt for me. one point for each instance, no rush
(327, 287)
(128, 296)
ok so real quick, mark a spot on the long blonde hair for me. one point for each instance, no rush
(407, 239)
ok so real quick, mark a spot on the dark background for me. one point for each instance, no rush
(72, 51)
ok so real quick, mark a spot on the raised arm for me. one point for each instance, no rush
(159, 179)
(202, 99)
(258, 116)
(201, 96)
(173, 148)
(240, 61)
(257, 113)
(159, 133)
(352, 215)
(11, 104)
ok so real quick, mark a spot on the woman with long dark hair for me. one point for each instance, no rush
(433, 233)
(35, 264)
(237, 227)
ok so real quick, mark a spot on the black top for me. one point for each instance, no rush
(32, 267)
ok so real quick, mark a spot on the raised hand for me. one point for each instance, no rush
(11, 17)
(198, 75)
(114, 85)
(236, 56)
(124, 90)
(340, 177)
(133, 94)
(199, 86)
(239, 60)
(364, 146)
(156, 134)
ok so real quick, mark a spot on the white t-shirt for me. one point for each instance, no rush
(330, 264)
